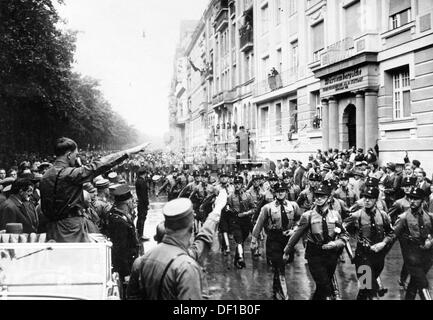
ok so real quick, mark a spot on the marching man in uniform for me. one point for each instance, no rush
(414, 229)
(325, 241)
(374, 236)
(239, 209)
(277, 218)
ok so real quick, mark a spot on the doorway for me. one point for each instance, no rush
(349, 127)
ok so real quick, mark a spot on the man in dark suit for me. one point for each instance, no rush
(18, 209)
(142, 190)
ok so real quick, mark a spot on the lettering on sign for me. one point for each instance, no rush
(343, 81)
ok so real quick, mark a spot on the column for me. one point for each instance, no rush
(360, 120)
(371, 119)
(333, 123)
(325, 125)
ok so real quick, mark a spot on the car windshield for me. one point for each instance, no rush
(55, 269)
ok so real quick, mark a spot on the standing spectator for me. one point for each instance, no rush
(14, 210)
(142, 190)
(2, 174)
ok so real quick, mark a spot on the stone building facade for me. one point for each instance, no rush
(302, 75)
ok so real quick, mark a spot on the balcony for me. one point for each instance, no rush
(247, 38)
(202, 108)
(347, 48)
(223, 97)
(182, 119)
(221, 20)
(278, 81)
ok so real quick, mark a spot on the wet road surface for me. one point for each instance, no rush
(225, 282)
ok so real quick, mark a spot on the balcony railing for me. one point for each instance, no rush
(203, 107)
(224, 96)
(349, 47)
(247, 38)
(221, 19)
(281, 80)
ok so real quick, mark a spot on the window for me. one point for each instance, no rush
(264, 116)
(399, 19)
(253, 70)
(399, 13)
(280, 60)
(292, 7)
(318, 43)
(247, 68)
(295, 59)
(352, 15)
(265, 67)
(401, 94)
(278, 118)
(278, 10)
(293, 110)
(233, 35)
(234, 77)
(265, 19)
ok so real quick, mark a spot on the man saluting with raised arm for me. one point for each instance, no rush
(62, 189)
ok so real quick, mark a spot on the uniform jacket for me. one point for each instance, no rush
(69, 199)
(407, 226)
(270, 217)
(398, 207)
(310, 225)
(348, 196)
(183, 279)
(361, 221)
(121, 231)
(142, 191)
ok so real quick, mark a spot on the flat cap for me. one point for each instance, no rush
(178, 214)
(102, 184)
(122, 192)
(112, 175)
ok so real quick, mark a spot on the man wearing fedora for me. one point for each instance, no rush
(13, 210)
(414, 230)
(62, 197)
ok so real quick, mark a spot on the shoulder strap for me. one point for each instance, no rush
(165, 272)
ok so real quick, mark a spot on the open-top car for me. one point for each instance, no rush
(45, 270)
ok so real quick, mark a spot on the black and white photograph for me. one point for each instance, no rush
(236, 152)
